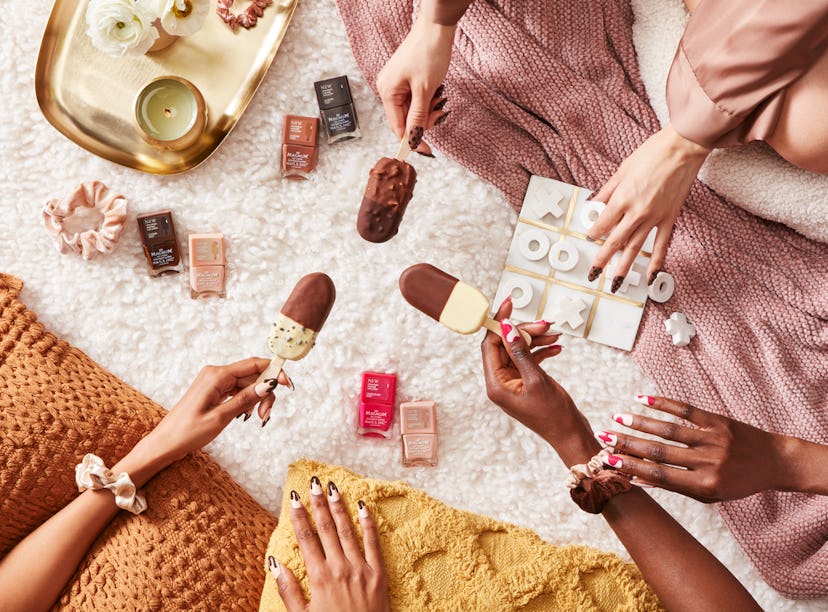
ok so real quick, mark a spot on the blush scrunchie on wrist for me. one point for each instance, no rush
(91, 473)
(605, 482)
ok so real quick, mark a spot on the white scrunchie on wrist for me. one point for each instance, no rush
(91, 473)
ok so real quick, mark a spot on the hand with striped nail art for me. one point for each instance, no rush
(647, 191)
(341, 577)
(410, 82)
(711, 457)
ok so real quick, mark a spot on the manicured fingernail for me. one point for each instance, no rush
(315, 486)
(607, 438)
(431, 155)
(247, 416)
(505, 301)
(653, 276)
(295, 502)
(363, 511)
(590, 239)
(440, 105)
(544, 322)
(616, 283)
(441, 119)
(264, 387)
(509, 331)
(265, 421)
(615, 461)
(647, 400)
(275, 567)
(415, 137)
(290, 383)
(439, 92)
(239, 415)
(333, 493)
(623, 418)
(594, 272)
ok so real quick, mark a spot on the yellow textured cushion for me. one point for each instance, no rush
(440, 558)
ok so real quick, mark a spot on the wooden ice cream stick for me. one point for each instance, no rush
(404, 150)
(494, 326)
(272, 370)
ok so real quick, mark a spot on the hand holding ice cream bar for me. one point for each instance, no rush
(294, 332)
(458, 306)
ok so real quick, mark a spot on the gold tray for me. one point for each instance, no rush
(89, 96)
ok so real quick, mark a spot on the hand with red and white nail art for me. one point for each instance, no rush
(647, 191)
(410, 82)
(718, 458)
(341, 577)
(516, 382)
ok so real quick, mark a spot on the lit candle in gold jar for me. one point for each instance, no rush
(170, 113)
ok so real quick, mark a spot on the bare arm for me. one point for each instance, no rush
(682, 572)
(36, 571)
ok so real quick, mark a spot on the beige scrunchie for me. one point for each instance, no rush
(103, 236)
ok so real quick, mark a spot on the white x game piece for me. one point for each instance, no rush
(549, 203)
(680, 329)
(567, 310)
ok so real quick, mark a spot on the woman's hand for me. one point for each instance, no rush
(647, 191)
(410, 82)
(217, 395)
(516, 382)
(719, 458)
(340, 576)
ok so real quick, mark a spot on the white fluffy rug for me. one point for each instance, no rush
(151, 334)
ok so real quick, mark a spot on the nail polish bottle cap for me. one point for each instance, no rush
(300, 130)
(334, 92)
(378, 387)
(207, 249)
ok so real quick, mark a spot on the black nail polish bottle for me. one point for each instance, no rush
(336, 107)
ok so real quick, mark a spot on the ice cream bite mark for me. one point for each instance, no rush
(646, 400)
(274, 567)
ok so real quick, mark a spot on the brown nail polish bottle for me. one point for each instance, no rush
(160, 243)
(336, 107)
(299, 152)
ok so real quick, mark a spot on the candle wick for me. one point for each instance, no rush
(167, 112)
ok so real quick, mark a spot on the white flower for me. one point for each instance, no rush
(121, 27)
(183, 17)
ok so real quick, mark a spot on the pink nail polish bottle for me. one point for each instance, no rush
(376, 405)
(418, 425)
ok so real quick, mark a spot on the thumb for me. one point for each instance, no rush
(418, 112)
(519, 351)
(289, 589)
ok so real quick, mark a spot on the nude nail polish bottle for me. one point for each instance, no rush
(376, 406)
(418, 426)
(299, 152)
(207, 265)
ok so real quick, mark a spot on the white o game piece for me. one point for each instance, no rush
(680, 329)
(563, 256)
(533, 237)
(662, 288)
(567, 311)
(526, 292)
(590, 212)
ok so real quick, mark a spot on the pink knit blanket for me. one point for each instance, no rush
(553, 88)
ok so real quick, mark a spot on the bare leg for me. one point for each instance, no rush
(801, 135)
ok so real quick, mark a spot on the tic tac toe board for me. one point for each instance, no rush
(548, 263)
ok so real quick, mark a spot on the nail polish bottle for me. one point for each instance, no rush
(418, 426)
(160, 243)
(336, 107)
(376, 405)
(299, 152)
(207, 265)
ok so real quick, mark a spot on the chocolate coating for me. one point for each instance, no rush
(427, 288)
(311, 300)
(390, 187)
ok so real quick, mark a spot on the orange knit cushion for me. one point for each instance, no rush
(197, 546)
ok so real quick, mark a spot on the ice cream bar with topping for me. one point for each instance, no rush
(455, 304)
(294, 332)
(390, 187)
